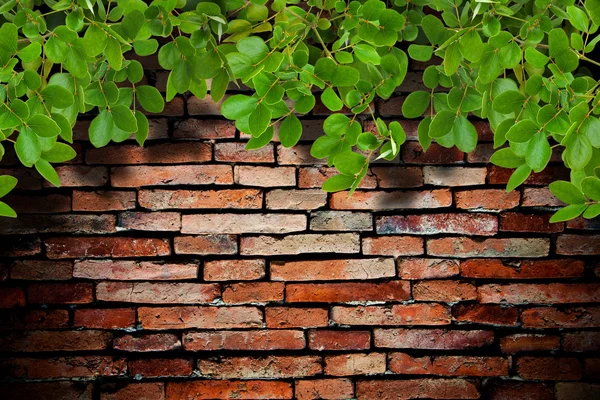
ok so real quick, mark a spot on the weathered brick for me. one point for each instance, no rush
(578, 245)
(60, 223)
(355, 364)
(134, 270)
(470, 366)
(39, 341)
(415, 388)
(253, 292)
(348, 269)
(391, 200)
(521, 269)
(402, 363)
(244, 340)
(500, 176)
(60, 293)
(539, 197)
(20, 246)
(576, 391)
(584, 341)
(66, 367)
(393, 246)
(75, 176)
(186, 199)
(204, 106)
(164, 153)
(156, 221)
(11, 297)
(297, 155)
(413, 153)
(298, 244)
(206, 244)
(401, 314)
(517, 222)
(19, 319)
(444, 291)
(487, 199)
(288, 317)
(426, 268)
(581, 223)
(105, 318)
(398, 177)
(243, 223)
(193, 128)
(64, 390)
(234, 270)
(347, 292)
(510, 390)
(146, 175)
(236, 152)
(148, 342)
(265, 176)
(147, 391)
(549, 317)
(40, 270)
(314, 178)
(157, 292)
(432, 224)
(248, 389)
(486, 314)
(157, 367)
(521, 342)
(525, 293)
(292, 199)
(339, 340)
(103, 200)
(548, 368)
(263, 367)
(432, 339)
(482, 153)
(454, 176)
(46, 204)
(186, 317)
(324, 389)
(340, 221)
(467, 247)
(95, 247)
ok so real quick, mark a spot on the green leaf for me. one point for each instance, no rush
(535, 57)
(592, 211)
(290, 131)
(208, 65)
(28, 147)
(145, 47)
(452, 59)
(305, 104)
(590, 187)
(337, 183)
(7, 211)
(593, 9)
(253, 47)
(336, 125)
(181, 76)
(260, 118)
(420, 52)
(465, 134)
(367, 141)
(415, 104)
(324, 146)
(66, 131)
(43, 126)
(423, 133)
(150, 98)
(471, 45)
(442, 123)
(94, 40)
(567, 192)
(7, 183)
(518, 177)
(114, 55)
(124, 119)
(238, 106)
(47, 171)
(508, 102)
(349, 163)
(331, 100)
(538, 152)
(101, 129)
(219, 86)
(345, 76)
(578, 152)
(506, 158)
(569, 212)
(57, 96)
(143, 127)
(30, 52)
(522, 131)
(367, 54)
(59, 153)
(577, 18)
(397, 134)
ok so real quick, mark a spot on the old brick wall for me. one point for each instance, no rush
(192, 269)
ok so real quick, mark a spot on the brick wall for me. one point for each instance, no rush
(193, 269)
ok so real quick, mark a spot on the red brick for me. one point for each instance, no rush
(524, 293)
(94, 247)
(236, 152)
(340, 269)
(292, 199)
(265, 176)
(48, 390)
(355, 364)
(412, 153)
(339, 340)
(391, 200)
(510, 390)
(253, 292)
(314, 178)
(482, 153)
(107, 318)
(432, 224)
(33, 319)
(60, 293)
(415, 388)
(499, 176)
(250, 389)
(581, 223)
(486, 314)
(529, 342)
(470, 366)
(146, 391)
(401, 314)
(156, 367)
(60, 223)
(493, 247)
(578, 245)
(591, 368)
(324, 389)
(487, 199)
(158, 318)
(444, 291)
(576, 391)
(155, 221)
(521, 269)
(148, 342)
(242, 223)
(288, 317)
(157, 292)
(517, 222)
(539, 197)
(74, 176)
(234, 270)
(260, 367)
(46, 204)
(204, 106)
(426, 268)
(19, 246)
(186, 199)
(244, 340)
(393, 246)
(39, 341)
(401, 363)
(123, 270)
(297, 155)
(347, 292)
(39, 270)
(398, 177)
(192, 128)
(164, 153)
(66, 367)
(103, 201)
(549, 317)
(585, 341)
(298, 244)
(548, 368)
(206, 244)
(146, 175)
(432, 339)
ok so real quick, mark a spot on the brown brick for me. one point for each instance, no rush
(146, 175)
(355, 364)
(401, 363)
(549, 317)
(164, 153)
(206, 244)
(584, 341)
(60, 293)
(298, 244)
(454, 176)
(243, 223)
(107, 318)
(19, 246)
(522, 269)
(581, 223)
(45, 204)
(39, 341)
(11, 297)
(412, 153)
(470, 366)
(314, 178)
(359, 269)
(156, 221)
(432, 224)
(415, 388)
(94, 247)
(48, 390)
(578, 245)
(549, 368)
(487, 199)
(147, 391)
(444, 291)
(33, 319)
(234, 270)
(288, 317)
(186, 317)
(244, 340)
(391, 200)
(204, 106)
(157, 367)
(324, 389)
(347, 292)
(426, 268)
(576, 391)
(517, 222)
(393, 246)
(339, 340)
(292, 199)
(466, 247)
(249, 389)
(40, 270)
(499, 176)
(133, 270)
(192, 128)
(67, 367)
(74, 176)
(486, 314)
(263, 367)
(401, 314)
(236, 152)
(539, 197)
(190, 199)
(525, 293)
(510, 390)
(253, 292)
(297, 155)
(157, 292)
(103, 201)
(148, 342)
(521, 342)
(265, 176)
(432, 339)
(60, 223)
(398, 177)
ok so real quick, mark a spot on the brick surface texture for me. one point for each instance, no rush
(192, 269)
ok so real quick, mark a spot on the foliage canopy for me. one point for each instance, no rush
(523, 65)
